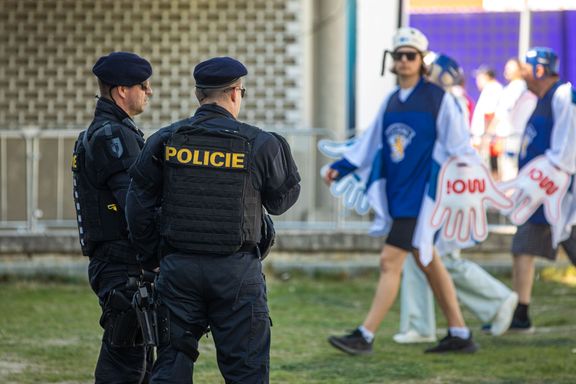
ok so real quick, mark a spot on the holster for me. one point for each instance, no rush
(119, 320)
(145, 305)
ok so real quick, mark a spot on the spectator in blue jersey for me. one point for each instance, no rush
(418, 126)
(487, 298)
(543, 198)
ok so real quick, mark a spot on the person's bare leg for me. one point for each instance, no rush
(391, 263)
(523, 277)
(443, 288)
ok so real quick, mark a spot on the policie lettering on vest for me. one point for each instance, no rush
(205, 158)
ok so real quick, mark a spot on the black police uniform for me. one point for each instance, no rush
(102, 156)
(212, 178)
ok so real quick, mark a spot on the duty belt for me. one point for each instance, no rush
(115, 252)
(167, 249)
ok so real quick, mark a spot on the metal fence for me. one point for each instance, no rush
(36, 182)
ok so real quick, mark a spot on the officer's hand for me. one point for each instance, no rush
(538, 183)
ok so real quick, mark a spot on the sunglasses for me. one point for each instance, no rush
(144, 86)
(410, 56)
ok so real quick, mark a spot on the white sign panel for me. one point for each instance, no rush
(377, 21)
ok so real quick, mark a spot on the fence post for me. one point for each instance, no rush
(31, 136)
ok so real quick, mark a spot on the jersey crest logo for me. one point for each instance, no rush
(115, 147)
(527, 139)
(399, 136)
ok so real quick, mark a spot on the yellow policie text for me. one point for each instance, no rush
(206, 158)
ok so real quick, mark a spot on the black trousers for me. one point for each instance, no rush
(115, 364)
(229, 295)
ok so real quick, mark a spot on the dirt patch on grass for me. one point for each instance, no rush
(11, 367)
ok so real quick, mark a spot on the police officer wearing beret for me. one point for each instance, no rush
(196, 201)
(102, 155)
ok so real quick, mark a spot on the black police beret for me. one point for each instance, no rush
(218, 72)
(122, 68)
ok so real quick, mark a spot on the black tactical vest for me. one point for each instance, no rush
(209, 203)
(99, 217)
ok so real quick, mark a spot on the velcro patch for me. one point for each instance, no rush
(115, 147)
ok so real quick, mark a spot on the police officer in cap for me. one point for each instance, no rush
(197, 199)
(102, 155)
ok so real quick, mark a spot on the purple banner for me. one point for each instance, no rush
(490, 39)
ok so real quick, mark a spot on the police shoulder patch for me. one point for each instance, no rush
(115, 147)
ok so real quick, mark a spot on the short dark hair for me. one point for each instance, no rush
(105, 89)
(213, 93)
(485, 71)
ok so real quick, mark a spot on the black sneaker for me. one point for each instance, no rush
(353, 343)
(519, 326)
(454, 344)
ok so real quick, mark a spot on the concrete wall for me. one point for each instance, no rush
(48, 47)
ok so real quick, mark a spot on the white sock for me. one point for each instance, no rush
(368, 336)
(461, 332)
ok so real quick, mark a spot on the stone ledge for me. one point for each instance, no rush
(311, 253)
(293, 241)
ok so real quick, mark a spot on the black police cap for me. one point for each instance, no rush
(218, 72)
(122, 68)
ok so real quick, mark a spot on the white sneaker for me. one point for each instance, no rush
(503, 318)
(412, 337)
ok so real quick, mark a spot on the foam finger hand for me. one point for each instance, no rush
(479, 224)
(362, 205)
(335, 149)
(524, 207)
(340, 187)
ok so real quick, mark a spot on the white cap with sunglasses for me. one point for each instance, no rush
(406, 37)
(410, 37)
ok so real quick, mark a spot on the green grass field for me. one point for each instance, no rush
(49, 333)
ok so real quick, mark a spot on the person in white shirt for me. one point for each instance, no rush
(490, 92)
(514, 108)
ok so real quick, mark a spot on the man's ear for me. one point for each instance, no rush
(540, 71)
(234, 94)
(122, 90)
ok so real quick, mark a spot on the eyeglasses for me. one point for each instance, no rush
(242, 90)
(410, 56)
(145, 86)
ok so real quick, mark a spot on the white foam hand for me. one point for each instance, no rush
(351, 190)
(538, 182)
(335, 149)
(464, 190)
